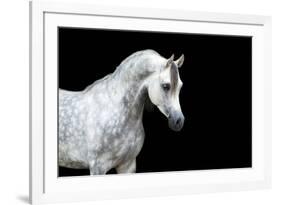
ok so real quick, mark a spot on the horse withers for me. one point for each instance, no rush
(101, 127)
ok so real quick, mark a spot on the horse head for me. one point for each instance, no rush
(164, 88)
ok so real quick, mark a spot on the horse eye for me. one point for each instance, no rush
(166, 86)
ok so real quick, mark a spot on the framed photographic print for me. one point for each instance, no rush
(130, 102)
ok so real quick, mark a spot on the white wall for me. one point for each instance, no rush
(14, 100)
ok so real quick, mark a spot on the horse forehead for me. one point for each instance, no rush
(171, 75)
(174, 75)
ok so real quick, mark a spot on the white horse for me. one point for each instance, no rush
(101, 127)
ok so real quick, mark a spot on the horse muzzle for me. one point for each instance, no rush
(176, 121)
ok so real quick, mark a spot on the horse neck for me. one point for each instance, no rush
(131, 84)
(129, 81)
(126, 87)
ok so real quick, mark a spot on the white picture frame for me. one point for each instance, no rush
(46, 187)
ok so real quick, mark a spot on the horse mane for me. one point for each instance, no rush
(138, 54)
(126, 63)
(131, 61)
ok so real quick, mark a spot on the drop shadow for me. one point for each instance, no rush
(23, 198)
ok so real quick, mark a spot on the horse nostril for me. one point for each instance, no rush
(178, 121)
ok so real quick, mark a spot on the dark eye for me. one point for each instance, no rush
(166, 86)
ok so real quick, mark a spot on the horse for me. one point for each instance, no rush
(100, 127)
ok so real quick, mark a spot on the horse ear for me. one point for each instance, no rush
(169, 61)
(179, 62)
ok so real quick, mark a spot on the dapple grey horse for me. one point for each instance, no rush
(101, 128)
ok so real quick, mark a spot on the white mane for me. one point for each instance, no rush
(143, 58)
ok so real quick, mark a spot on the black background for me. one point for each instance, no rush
(215, 97)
